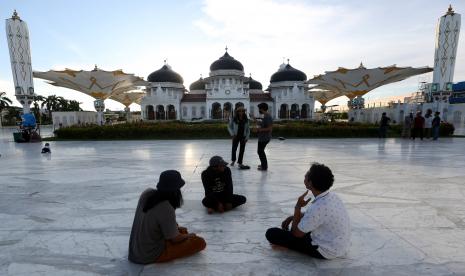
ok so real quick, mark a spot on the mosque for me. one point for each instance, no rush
(226, 88)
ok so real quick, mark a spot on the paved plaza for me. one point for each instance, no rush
(70, 213)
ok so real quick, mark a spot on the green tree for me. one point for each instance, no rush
(51, 103)
(4, 102)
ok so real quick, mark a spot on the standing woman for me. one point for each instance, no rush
(239, 130)
(155, 236)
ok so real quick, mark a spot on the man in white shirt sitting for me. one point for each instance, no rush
(323, 231)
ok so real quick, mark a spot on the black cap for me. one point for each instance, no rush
(217, 161)
(170, 180)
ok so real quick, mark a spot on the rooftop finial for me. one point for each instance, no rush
(250, 75)
(226, 48)
(201, 76)
(95, 67)
(450, 10)
(287, 61)
(361, 65)
(165, 60)
(15, 16)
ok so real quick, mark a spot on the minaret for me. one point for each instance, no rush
(17, 36)
(447, 38)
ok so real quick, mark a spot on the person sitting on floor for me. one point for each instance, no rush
(323, 231)
(46, 148)
(218, 185)
(155, 234)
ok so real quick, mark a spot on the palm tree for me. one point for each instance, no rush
(4, 102)
(51, 103)
(74, 105)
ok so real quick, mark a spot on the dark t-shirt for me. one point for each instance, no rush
(264, 136)
(419, 122)
(218, 185)
(385, 121)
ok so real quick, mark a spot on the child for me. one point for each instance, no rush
(46, 149)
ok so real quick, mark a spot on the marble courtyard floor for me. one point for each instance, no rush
(70, 213)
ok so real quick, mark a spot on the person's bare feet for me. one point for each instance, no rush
(210, 211)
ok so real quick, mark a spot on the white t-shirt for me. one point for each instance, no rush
(429, 122)
(328, 221)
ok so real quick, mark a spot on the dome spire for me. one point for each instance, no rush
(15, 15)
(226, 48)
(450, 10)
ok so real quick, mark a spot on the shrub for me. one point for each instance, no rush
(218, 130)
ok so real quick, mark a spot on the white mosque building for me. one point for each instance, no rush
(226, 88)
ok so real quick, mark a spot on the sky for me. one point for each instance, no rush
(316, 36)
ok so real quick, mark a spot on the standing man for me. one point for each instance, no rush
(264, 129)
(435, 125)
(218, 185)
(239, 129)
(418, 125)
(384, 125)
(323, 231)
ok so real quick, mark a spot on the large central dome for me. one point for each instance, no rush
(226, 62)
(165, 74)
(288, 73)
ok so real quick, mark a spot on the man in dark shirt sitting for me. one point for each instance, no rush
(217, 182)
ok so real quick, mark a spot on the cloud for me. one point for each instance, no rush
(321, 37)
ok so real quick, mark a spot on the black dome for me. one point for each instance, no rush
(198, 85)
(288, 73)
(165, 74)
(226, 62)
(253, 84)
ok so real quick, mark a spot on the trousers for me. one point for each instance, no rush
(236, 200)
(285, 238)
(185, 248)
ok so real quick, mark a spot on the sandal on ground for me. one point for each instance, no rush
(243, 167)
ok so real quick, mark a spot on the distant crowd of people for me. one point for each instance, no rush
(415, 126)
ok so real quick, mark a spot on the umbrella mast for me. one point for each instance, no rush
(17, 35)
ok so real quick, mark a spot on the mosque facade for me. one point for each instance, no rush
(226, 88)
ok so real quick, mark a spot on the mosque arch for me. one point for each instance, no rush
(216, 112)
(283, 111)
(294, 114)
(150, 112)
(304, 111)
(160, 113)
(171, 112)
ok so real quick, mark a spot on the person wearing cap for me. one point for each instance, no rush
(46, 148)
(264, 129)
(155, 234)
(218, 185)
(239, 130)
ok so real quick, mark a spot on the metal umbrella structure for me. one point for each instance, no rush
(127, 99)
(324, 96)
(17, 35)
(97, 83)
(359, 81)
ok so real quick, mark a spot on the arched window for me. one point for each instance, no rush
(202, 111)
(184, 111)
(216, 112)
(194, 111)
(283, 111)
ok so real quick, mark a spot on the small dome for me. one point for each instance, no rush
(226, 62)
(165, 74)
(253, 84)
(288, 73)
(198, 85)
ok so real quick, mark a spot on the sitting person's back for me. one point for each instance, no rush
(155, 234)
